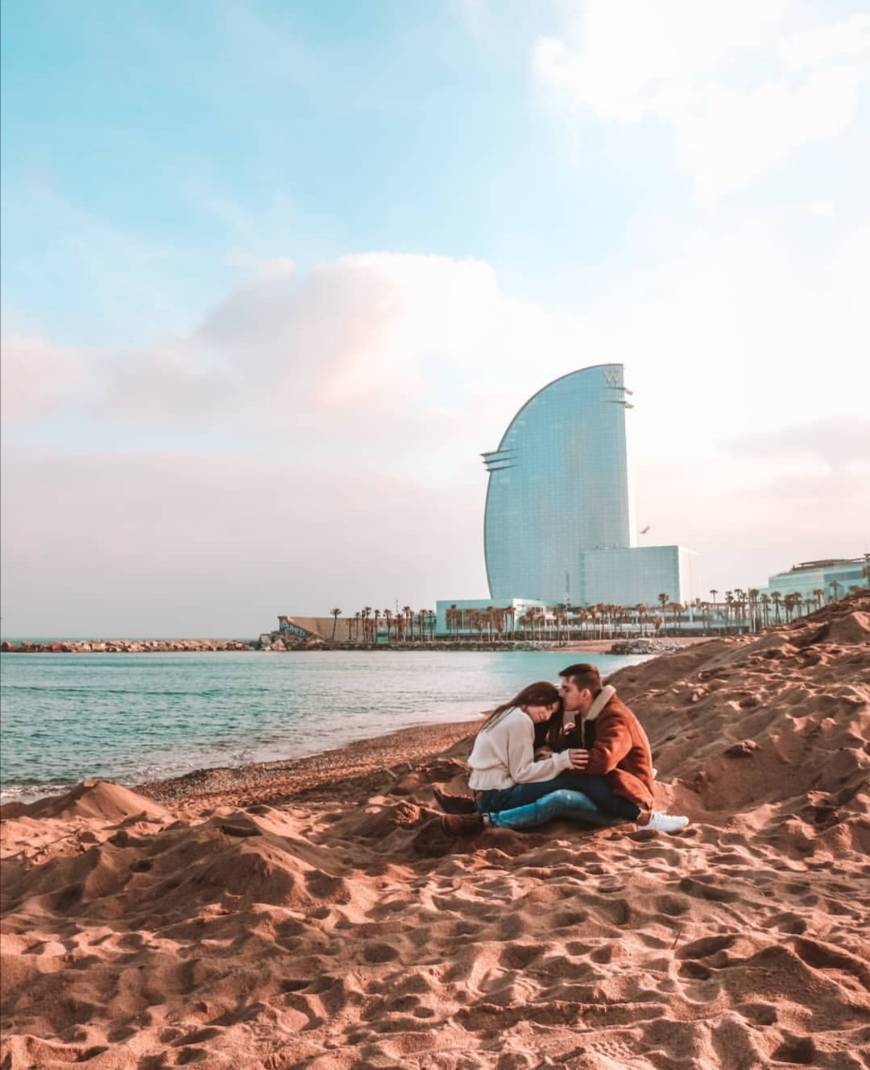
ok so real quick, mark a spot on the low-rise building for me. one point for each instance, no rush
(821, 581)
(472, 616)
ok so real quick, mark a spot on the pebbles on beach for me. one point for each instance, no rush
(311, 913)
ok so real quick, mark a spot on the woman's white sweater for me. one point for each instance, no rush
(504, 754)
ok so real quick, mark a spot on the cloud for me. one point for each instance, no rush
(38, 377)
(741, 85)
(378, 350)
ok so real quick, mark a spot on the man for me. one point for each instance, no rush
(614, 764)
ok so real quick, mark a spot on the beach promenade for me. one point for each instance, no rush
(312, 914)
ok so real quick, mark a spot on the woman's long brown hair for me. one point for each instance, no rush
(540, 694)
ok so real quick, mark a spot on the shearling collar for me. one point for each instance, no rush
(601, 699)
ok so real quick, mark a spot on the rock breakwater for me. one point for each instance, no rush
(124, 646)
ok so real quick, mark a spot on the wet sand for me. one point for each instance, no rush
(312, 914)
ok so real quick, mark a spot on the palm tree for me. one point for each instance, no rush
(664, 599)
(765, 608)
(335, 614)
(729, 606)
(791, 602)
(752, 594)
(836, 587)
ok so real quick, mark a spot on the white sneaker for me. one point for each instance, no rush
(659, 822)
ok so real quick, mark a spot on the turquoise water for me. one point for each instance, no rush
(138, 717)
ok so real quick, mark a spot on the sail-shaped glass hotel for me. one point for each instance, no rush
(558, 524)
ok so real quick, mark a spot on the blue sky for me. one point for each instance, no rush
(190, 134)
(335, 245)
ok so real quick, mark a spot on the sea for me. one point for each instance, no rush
(134, 718)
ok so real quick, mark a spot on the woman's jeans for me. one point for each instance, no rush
(521, 806)
(562, 803)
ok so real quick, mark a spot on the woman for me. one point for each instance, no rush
(513, 788)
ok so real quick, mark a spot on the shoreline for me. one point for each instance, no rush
(331, 773)
(280, 777)
(651, 644)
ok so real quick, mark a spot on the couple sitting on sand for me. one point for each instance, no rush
(530, 764)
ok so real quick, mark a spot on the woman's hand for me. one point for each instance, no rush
(579, 759)
(543, 752)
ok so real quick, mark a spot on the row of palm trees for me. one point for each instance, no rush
(752, 610)
(369, 625)
(737, 611)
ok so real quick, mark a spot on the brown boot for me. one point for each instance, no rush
(454, 804)
(462, 824)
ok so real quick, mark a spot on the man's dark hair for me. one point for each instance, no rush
(583, 675)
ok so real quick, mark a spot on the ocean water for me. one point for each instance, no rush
(138, 717)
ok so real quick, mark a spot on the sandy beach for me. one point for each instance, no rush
(311, 913)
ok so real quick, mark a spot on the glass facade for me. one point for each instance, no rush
(834, 578)
(559, 524)
(558, 485)
(637, 576)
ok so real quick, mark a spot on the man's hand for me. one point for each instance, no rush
(579, 759)
(543, 752)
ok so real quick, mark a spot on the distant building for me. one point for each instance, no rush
(559, 523)
(833, 576)
(637, 575)
(457, 616)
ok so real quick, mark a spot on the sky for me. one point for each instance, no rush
(275, 274)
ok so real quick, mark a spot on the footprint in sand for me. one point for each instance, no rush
(379, 953)
(696, 971)
(800, 1050)
(788, 923)
(674, 906)
(191, 1055)
(760, 1013)
(706, 946)
(712, 892)
(518, 956)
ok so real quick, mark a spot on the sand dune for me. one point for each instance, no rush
(333, 926)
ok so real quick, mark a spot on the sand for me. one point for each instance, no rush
(311, 914)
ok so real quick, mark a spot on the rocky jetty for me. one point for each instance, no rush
(124, 646)
(645, 646)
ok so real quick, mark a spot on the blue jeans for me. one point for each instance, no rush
(562, 803)
(594, 788)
